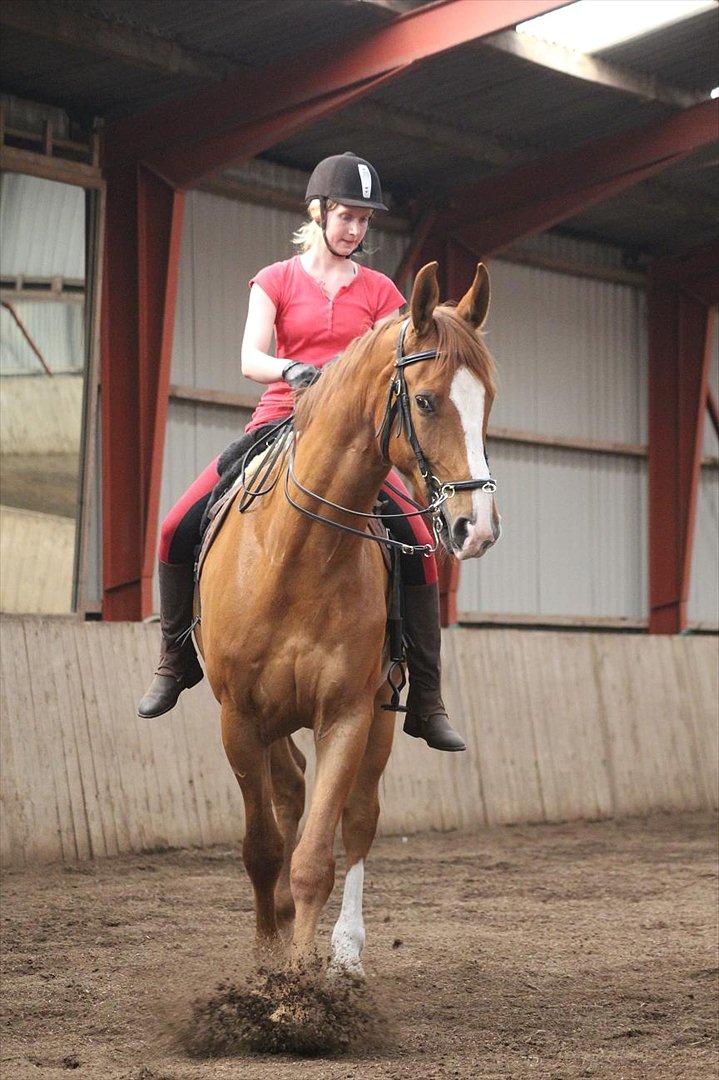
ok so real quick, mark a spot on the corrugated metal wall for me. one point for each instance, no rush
(572, 360)
(704, 584)
(42, 224)
(42, 231)
(571, 354)
(56, 327)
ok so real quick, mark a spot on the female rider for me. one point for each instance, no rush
(316, 303)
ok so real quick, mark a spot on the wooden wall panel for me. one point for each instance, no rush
(559, 726)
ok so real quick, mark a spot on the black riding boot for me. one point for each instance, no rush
(426, 715)
(179, 667)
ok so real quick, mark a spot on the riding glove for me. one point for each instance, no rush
(299, 376)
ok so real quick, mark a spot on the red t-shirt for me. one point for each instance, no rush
(313, 329)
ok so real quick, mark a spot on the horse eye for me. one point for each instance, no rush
(424, 404)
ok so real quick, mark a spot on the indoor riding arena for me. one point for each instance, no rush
(543, 904)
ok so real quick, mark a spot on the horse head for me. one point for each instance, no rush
(449, 394)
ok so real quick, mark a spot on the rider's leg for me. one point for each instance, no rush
(180, 534)
(178, 668)
(426, 715)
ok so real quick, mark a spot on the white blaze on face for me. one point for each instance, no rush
(348, 935)
(467, 394)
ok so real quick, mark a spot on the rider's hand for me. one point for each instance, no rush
(299, 376)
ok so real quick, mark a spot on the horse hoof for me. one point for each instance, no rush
(338, 968)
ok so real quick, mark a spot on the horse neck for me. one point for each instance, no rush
(338, 457)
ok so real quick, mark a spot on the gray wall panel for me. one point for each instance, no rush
(574, 537)
(703, 604)
(57, 328)
(571, 354)
(704, 584)
(42, 225)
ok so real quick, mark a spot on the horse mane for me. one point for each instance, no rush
(458, 345)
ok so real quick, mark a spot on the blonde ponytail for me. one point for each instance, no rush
(310, 232)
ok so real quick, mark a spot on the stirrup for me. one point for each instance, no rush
(393, 704)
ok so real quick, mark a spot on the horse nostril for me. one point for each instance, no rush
(460, 531)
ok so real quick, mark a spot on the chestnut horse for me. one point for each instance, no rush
(294, 612)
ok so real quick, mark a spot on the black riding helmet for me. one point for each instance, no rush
(347, 179)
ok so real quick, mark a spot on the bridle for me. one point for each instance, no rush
(397, 408)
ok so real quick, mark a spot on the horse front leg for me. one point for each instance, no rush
(339, 751)
(359, 825)
(288, 798)
(263, 846)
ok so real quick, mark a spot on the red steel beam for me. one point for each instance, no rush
(192, 138)
(501, 209)
(160, 216)
(26, 334)
(680, 333)
(142, 248)
(188, 164)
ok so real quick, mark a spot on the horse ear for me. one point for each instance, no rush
(425, 297)
(474, 305)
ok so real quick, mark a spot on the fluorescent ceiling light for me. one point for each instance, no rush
(590, 25)
(715, 92)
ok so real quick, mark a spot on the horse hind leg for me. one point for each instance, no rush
(288, 798)
(263, 846)
(359, 825)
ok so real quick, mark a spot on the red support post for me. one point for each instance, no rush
(121, 499)
(461, 268)
(160, 217)
(679, 344)
(142, 248)
(411, 262)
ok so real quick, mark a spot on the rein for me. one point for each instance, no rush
(397, 407)
(406, 549)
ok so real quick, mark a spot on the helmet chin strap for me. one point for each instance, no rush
(323, 222)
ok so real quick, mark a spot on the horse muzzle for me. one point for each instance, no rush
(471, 539)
